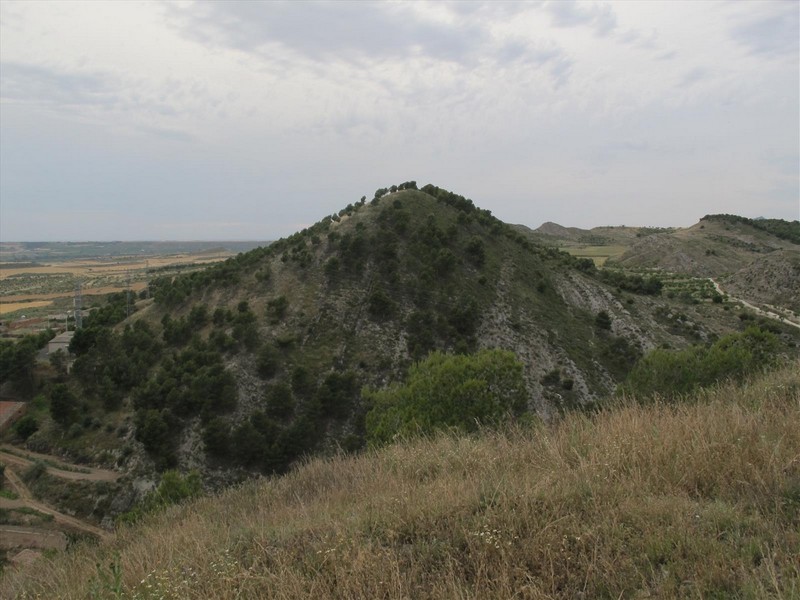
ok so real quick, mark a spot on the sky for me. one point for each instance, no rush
(251, 120)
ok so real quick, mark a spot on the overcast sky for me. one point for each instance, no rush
(249, 120)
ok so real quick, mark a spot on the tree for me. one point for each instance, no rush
(63, 404)
(602, 320)
(280, 401)
(17, 360)
(58, 360)
(443, 391)
(26, 427)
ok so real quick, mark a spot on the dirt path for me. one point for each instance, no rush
(12, 536)
(72, 472)
(27, 499)
(756, 309)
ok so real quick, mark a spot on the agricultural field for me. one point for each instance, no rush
(599, 254)
(37, 279)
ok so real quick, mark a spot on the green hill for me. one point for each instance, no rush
(699, 498)
(248, 366)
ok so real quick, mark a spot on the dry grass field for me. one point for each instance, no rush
(9, 307)
(695, 499)
(98, 267)
(599, 254)
(35, 287)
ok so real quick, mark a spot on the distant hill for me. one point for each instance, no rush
(553, 233)
(757, 258)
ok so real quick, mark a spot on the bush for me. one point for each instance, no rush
(602, 320)
(444, 391)
(267, 362)
(174, 488)
(380, 305)
(276, 309)
(63, 404)
(280, 401)
(26, 427)
(673, 373)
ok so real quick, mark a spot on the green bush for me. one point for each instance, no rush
(174, 488)
(26, 427)
(459, 391)
(280, 401)
(673, 373)
(63, 404)
(276, 309)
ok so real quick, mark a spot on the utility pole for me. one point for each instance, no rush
(78, 306)
(128, 295)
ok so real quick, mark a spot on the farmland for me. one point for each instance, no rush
(599, 254)
(39, 278)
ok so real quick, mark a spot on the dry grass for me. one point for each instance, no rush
(96, 267)
(697, 500)
(8, 307)
(599, 254)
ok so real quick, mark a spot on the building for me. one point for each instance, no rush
(60, 342)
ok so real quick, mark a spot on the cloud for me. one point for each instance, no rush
(169, 134)
(324, 31)
(363, 35)
(46, 85)
(693, 76)
(568, 13)
(777, 33)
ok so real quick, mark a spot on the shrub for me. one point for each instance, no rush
(602, 320)
(280, 401)
(672, 373)
(267, 361)
(448, 391)
(26, 427)
(380, 305)
(63, 404)
(276, 309)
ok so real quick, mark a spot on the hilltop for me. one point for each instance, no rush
(698, 498)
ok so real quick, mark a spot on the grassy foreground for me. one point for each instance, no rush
(693, 500)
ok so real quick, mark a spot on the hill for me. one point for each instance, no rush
(694, 499)
(248, 366)
(304, 324)
(756, 258)
(598, 243)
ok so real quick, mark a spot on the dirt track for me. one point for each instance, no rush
(12, 536)
(756, 309)
(32, 537)
(72, 472)
(26, 499)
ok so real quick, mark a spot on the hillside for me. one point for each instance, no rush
(248, 366)
(303, 324)
(727, 247)
(695, 499)
(550, 232)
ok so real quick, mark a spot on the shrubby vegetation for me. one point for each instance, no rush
(635, 284)
(172, 489)
(785, 230)
(17, 360)
(671, 373)
(448, 391)
(697, 499)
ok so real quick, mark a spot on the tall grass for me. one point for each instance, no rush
(693, 500)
